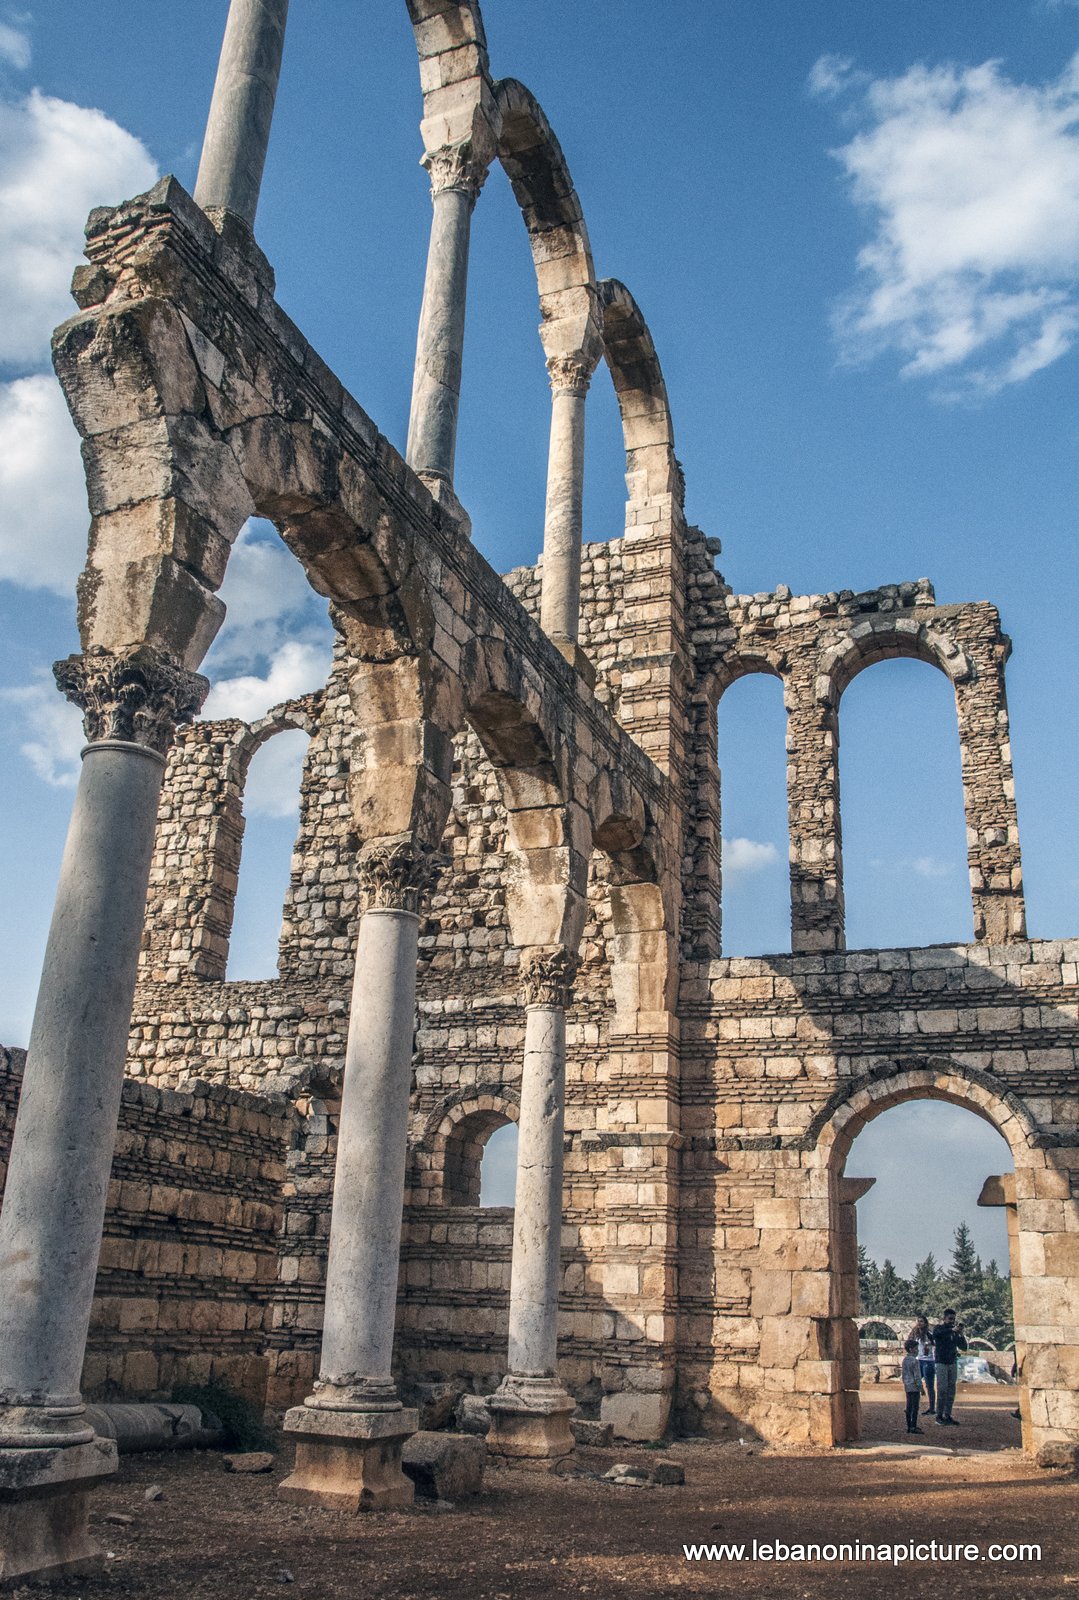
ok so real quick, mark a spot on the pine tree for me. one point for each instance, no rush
(893, 1292)
(868, 1281)
(966, 1286)
(926, 1290)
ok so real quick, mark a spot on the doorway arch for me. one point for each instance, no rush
(1044, 1266)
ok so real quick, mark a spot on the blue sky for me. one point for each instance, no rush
(854, 231)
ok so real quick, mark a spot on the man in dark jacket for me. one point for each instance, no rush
(948, 1340)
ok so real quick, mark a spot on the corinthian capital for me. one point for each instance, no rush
(547, 973)
(457, 166)
(571, 373)
(138, 695)
(395, 872)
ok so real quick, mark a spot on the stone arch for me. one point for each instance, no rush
(878, 1322)
(647, 429)
(744, 664)
(532, 159)
(838, 1123)
(883, 638)
(1043, 1285)
(447, 1156)
(300, 716)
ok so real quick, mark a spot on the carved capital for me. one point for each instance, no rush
(138, 695)
(394, 873)
(570, 373)
(457, 166)
(547, 974)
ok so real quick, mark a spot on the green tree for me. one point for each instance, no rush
(893, 1292)
(926, 1289)
(868, 1282)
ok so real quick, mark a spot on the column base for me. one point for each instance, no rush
(44, 1510)
(530, 1422)
(349, 1460)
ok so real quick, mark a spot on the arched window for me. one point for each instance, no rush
(904, 835)
(498, 1167)
(479, 1160)
(271, 805)
(753, 807)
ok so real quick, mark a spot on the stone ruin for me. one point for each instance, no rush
(504, 906)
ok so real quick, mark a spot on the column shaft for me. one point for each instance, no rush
(365, 1228)
(560, 597)
(54, 1207)
(436, 383)
(537, 1222)
(238, 128)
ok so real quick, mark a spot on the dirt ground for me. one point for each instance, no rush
(215, 1536)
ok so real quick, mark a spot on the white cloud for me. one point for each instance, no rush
(742, 858)
(43, 511)
(296, 669)
(930, 867)
(273, 784)
(972, 184)
(55, 727)
(268, 600)
(14, 45)
(830, 75)
(57, 161)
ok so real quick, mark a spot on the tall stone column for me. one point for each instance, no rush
(530, 1411)
(457, 176)
(350, 1430)
(560, 593)
(61, 1154)
(238, 128)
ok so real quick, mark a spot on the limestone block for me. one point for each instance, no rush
(637, 1416)
(444, 1466)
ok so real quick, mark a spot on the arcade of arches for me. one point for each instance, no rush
(503, 906)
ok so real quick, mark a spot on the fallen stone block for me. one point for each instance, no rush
(1059, 1453)
(444, 1466)
(473, 1414)
(250, 1461)
(436, 1404)
(668, 1472)
(599, 1435)
(622, 1472)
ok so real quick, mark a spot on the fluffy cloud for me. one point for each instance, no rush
(930, 867)
(296, 669)
(57, 161)
(744, 857)
(42, 491)
(14, 46)
(972, 184)
(268, 601)
(273, 783)
(55, 727)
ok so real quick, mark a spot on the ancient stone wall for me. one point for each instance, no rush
(189, 1256)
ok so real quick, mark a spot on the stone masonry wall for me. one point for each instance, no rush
(189, 1255)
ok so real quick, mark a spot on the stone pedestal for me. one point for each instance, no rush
(530, 1422)
(349, 1460)
(44, 1507)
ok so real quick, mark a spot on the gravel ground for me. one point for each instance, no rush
(216, 1536)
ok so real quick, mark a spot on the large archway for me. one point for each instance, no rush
(1043, 1288)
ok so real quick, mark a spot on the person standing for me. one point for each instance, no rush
(927, 1360)
(948, 1340)
(912, 1384)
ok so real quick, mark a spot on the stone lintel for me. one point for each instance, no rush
(349, 1460)
(44, 1510)
(998, 1191)
(852, 1189)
